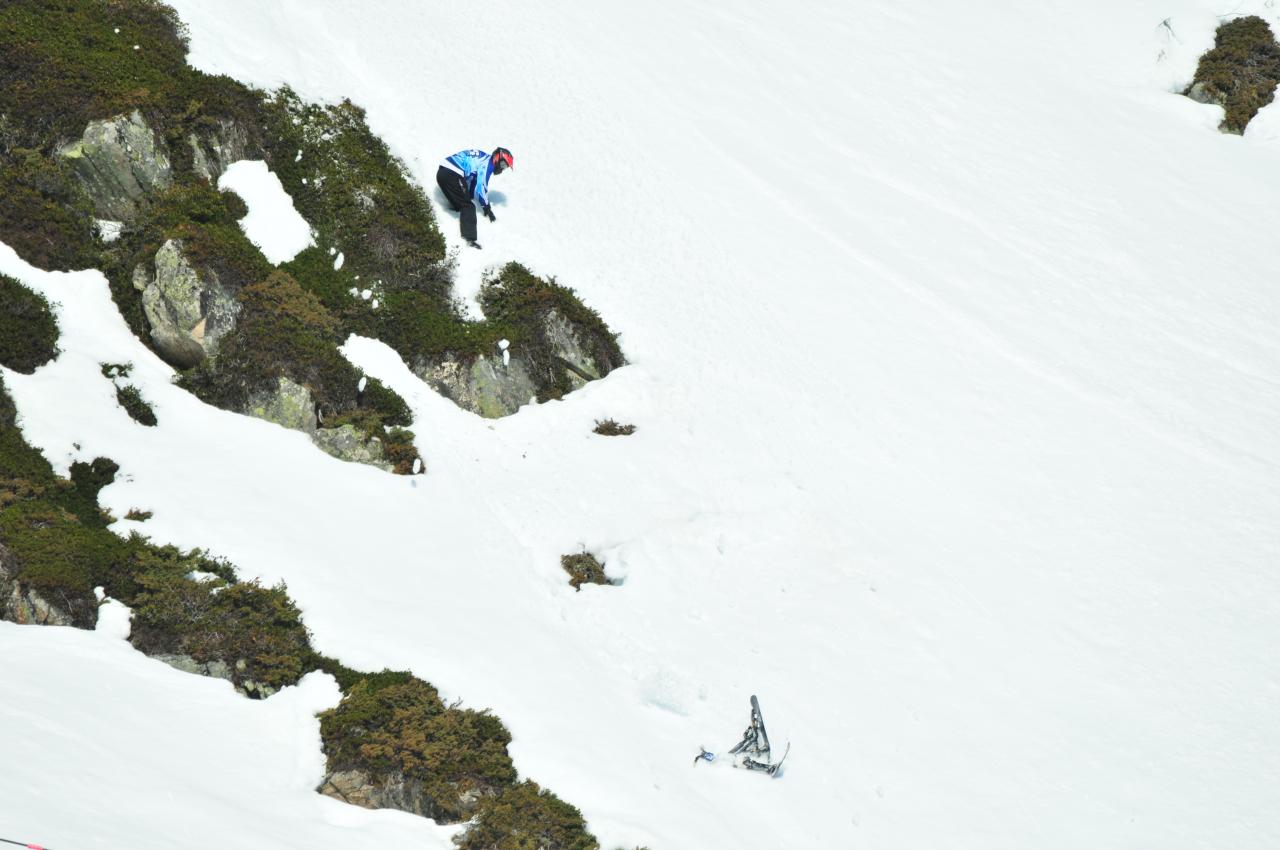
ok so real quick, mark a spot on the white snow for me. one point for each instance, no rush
(953, 352)
(273, 223)
(108, 230)
(337, 264)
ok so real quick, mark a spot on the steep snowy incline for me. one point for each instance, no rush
(955, 366)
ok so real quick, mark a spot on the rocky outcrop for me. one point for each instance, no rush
(188, 310)
(568, 348)
(216, 149)
(119, 162)
(218, 670)
(389, 791)
(289, 406)
(346, 442)
(483, 385)
(20, 604)
(498, 385)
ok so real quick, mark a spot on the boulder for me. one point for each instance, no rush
(1201, 93)
(119, 162)
(566, 345)
(290, 406)
(20, 604)
(500, 385)
(216, 149)
(483, 385)
(189, 311)
(187, 664)
(348, 443)
(217, 670)
(390, 791)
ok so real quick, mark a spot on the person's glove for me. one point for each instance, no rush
(488, 211)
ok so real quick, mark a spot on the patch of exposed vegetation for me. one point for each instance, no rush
(518, 304)
(28, 332)
(396, 726)
(46, 216)
(138, 515)
(1240, 73)
(257, 631)
(612, 428)
(357, 196)
(583, 568)
(526, 816)
(130, 398)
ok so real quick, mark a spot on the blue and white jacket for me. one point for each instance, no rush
(476, 167)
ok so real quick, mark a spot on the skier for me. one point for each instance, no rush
(464, 179)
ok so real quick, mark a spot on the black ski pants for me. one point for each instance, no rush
(455, 188)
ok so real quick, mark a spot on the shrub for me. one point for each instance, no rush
(257, 631)
(390, 725)
(611, 428)
(28, 333)
(283, 331)
(138, 515)
(130, 398)
(519, 303)
(62, 67)
(357, 196)
(58, 556)
(583, 568)
(46, 216)
(1241, 71)
(525, 817)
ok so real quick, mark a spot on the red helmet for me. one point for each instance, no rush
(502, 160)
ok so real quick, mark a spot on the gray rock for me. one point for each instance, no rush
(119, 162)
(566, 345)
(216, 149)
(187, 664)
(484, 385)
(189, 311)
(1200, 94)
(20, 604)
(348, 443)
(290, 406)
(392, 791)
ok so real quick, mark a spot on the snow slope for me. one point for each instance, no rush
(955, 371)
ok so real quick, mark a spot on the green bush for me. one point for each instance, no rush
(613, 428)
(256, 630)
(390, 725)
(130, 398)
(525, 817)
(1241, 71)
(518, 302)
(583, 568)
(46, 216)
(282, 331)
(60, 557)
(357, 196)
(28, 332)
(65, 64)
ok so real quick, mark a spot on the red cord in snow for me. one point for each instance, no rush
(24, 844)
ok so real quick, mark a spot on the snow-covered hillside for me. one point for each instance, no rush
(956, 374)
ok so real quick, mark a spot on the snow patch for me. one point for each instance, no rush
(273, 223)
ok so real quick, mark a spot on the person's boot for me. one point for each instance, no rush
(474, 244)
